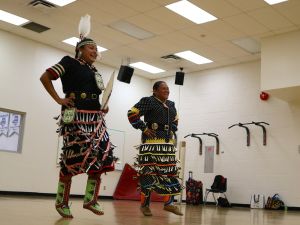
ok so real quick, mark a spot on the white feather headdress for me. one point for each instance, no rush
(84, 26)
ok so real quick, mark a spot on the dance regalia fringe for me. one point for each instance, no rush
(157, 167)
(86, 146)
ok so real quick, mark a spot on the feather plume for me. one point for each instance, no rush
(84, 26)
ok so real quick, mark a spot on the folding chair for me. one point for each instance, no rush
(219, 186)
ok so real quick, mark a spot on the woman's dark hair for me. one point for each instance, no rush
(157, 84)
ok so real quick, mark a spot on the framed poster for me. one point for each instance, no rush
(11, 130)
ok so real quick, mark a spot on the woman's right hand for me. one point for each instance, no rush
(149, 133)
(68, 102)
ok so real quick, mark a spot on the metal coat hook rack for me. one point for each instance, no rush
(200, 141)
(248, 131)
(217, 141)
(264, 130)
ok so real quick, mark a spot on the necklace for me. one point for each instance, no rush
(82, 61)
(98, 77)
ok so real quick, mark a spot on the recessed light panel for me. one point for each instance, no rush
(11, 18)
(146, 67)
(273, 2)
(193, 57)
(191, 12)
(61, 2)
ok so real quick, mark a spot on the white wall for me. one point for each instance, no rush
(22, 62)
(211, 101)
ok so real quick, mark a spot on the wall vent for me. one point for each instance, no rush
(38, 28)
(171, 58)
(41, 4)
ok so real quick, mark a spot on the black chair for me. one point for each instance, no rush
(219, 186)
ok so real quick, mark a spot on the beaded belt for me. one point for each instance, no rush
(83, 95)
(158, 126)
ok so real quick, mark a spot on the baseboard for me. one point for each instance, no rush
(38, 194)
(289, 208)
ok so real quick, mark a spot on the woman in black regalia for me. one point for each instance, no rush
(156, 161)
(86, 144)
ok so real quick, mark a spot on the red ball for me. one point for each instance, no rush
(264, 96)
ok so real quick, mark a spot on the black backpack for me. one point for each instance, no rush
(223, 202)
(219, 183)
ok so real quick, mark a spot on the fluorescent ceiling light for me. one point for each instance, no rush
(61, 2)
(11, 18)
(193, 57)
(147, 67)
(272, 2)
(74, 40)
(248, 44)
(191, 12)
(131, 30)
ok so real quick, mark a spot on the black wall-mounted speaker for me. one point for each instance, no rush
(179, 78)
(125, 74)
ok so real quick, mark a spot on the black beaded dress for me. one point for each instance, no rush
(86, 144)
(156, 161)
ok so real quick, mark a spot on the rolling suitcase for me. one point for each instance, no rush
(194, 191)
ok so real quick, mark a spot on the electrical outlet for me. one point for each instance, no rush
(104, 187)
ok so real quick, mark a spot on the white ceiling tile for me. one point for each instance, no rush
(270, 18)
(150, 24)
(217, 8)
(290, 10)
(165, 2)
(246, 24)
(286, 30)
(246, 5)
(111, 6)
(202, 34)
(224, 30)
(135, 4)
(169, 18)
(230, 49)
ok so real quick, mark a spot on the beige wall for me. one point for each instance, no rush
(280, 61)
(280, 66)
(213, 100)
(209, 101)
(22, 62)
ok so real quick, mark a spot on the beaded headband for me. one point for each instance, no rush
(85, 41)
